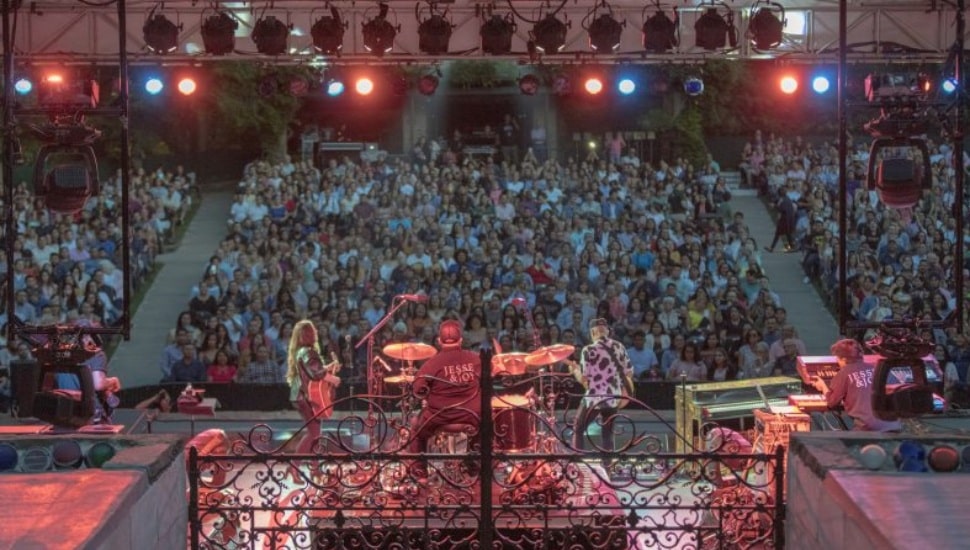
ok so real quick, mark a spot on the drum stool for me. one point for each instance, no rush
(452, 439)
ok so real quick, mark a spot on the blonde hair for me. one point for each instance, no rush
(292, 369)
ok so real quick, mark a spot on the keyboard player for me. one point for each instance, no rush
(851, 388)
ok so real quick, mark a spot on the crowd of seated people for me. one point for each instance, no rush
(900, 263)
(647, 247)
(68, 268)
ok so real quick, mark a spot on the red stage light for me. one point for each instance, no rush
(187, 86)
(594, 85)
(364, 86)
(788, 84)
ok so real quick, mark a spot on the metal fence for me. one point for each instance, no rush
(517, 480)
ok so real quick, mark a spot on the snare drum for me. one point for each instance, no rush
(514, 423)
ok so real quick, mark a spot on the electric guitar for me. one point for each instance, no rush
(319, 393)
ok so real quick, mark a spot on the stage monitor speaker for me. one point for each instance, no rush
(24, 385)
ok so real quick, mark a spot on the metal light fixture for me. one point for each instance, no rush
(713, 30)
(660, 32)
(496, 33)
(604, 31)
(66, 169)
(529, 84)
(766, 27)
(434, 32)
(219, 33)
(161, 35)
(328, 33)
(379, 33)
(549, 34)
(693, 86)
(270, 35)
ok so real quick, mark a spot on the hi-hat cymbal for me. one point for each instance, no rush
(512, 363)
(400, 379)
(548, 355)
(410, 351)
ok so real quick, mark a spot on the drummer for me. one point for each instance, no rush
(449, 384)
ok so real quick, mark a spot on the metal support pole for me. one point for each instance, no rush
(10, 225)
(958, 165)
(843, 292)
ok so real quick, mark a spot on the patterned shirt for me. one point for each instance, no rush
(601, 371)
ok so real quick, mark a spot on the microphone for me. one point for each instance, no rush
(420, 298)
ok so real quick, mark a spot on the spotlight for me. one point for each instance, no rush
(821, 84)
(364, 86)
(660, 33)
(379, 33)
(549, 34)
(154, 86)
(765, 28)
(161, 35)
(186, 86)
(23, 86)
(693, 86)
(434, 33)
(714, 30)
(427, 84)
(788, 84)
(328, 33)
(219, 33)
(949, 85)
(529, 84)
(626, 86)
(496, 35)
(335, 88)
(604, 33)
(593, 85)
(66, 170)
(270, 35)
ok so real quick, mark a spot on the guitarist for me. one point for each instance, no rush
(311, 382)
(606, 372)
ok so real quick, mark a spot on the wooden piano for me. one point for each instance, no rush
(700, 403)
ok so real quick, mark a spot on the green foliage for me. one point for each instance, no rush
(253, 103)
(482, 74)
(687, 136)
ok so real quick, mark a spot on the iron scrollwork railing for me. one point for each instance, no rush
(359, 487)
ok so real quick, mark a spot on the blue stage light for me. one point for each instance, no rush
(821, 84)
(626, 86)
(154, 85)
(949, 85)
(23, 86)
(335, 88)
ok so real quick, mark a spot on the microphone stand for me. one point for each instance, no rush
(375, 383)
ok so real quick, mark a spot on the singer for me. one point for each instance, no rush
(306, 374)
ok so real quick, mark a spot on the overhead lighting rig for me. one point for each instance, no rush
(603, 29)
(161, 35)
(379, 33)
(270, 35)
(328, 32)
(661, 34)
(434, 32)
(714, 30)
(219, 33)
(496, 32)
(548, 35)
(767, 24)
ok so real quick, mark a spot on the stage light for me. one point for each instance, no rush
(335, 88)
(328, 33)
(434, 33)
(66, 168)
(364, 86)
(23, 86)
(626, 86)
(154, 86)
(593, 85)
(693, 86)
(660, 33)
(604, 33)
(270, 35)
(187, 86)
(54, 91)
(949, 85)
(549, 34)
(713, 31)
(427, 84)
(219, 33)
(766, 26)
(529, 84)
(496, 35)
(161, 35)
(821, 84)
(788, 84)
(379, 33)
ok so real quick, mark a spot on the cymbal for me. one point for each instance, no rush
(512, 363)
(548, 355)
(410, 351)
(399, 379)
